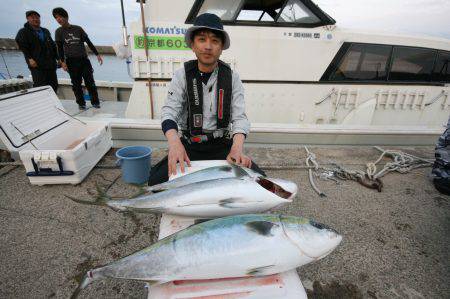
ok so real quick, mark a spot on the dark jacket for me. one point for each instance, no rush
(44, 53)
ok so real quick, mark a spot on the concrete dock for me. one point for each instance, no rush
(396, 243)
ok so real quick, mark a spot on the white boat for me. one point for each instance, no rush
(306, 79)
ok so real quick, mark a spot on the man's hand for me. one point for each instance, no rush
(100, 59)
(177, 152)
(63, 65)
(33, 63)
(236, 155)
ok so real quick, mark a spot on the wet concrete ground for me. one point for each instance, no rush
(396, 243)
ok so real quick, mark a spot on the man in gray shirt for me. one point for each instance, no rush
(206, 102)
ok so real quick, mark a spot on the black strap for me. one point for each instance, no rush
(195, 96)
(224, 92)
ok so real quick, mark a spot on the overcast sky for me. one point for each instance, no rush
(102, 19)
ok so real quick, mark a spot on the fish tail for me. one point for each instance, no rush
(97, 202)
(87, 280)
(102, 198)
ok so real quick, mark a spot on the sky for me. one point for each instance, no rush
(102, 18)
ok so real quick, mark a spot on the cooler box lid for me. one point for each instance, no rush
(28, 114)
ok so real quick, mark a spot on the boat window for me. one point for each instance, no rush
(296, 12)
(257, 15)
(226, 10)
(389, 63)
(250, 15)
(442, 68)
(412, 64)
(284, 13)
(363, 62)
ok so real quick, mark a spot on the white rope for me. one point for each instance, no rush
(402, 163)
(311, 158)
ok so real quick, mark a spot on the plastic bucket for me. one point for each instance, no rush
(135, 163)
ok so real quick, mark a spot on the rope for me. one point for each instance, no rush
(311, 158)
(402, 163)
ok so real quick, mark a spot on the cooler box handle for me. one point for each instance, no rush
(48, 171)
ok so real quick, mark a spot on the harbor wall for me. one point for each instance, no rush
(10, 44)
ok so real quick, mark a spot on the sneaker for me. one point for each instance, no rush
(96, 106)
(82, 107)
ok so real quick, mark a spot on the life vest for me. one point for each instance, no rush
(195, 96)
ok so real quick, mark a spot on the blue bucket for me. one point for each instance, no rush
(135, 163)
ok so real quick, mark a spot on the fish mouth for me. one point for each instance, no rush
(336, 240)
(323, 246)
(281, 188)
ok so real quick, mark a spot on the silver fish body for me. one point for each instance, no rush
(214, 198)
(234, 246)
(210, 173)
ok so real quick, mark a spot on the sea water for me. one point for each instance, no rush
(113, 68)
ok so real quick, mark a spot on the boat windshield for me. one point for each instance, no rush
(263, 12)
(296, 12)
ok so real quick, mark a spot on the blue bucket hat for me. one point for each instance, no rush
(207, 21)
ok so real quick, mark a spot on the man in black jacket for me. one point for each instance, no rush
(70, 40)
(39, 50)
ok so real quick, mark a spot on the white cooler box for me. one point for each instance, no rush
(54, 147)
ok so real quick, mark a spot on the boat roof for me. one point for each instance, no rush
(312, 14)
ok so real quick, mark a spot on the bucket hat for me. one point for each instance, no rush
(207, 21)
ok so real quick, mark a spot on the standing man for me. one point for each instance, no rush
(206, 101)
(39, 50)
(70, 40)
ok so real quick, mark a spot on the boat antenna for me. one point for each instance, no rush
(144, 30)
(7, 69)
(124, 26)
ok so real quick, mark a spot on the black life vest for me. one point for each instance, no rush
(195, 96)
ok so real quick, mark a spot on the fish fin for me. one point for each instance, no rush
(157, 188)
(230, 202)
(226, 168)
(140, 192)
(138, 210)
(158, 209)
(87, 280)
(239, 172)
(261, 227)
(259, 271)
(100, 199)
(161, 189)
(198, 221)
(152, 283)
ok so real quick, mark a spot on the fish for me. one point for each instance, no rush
(210, 173)
(233, 246)
(214, 198)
